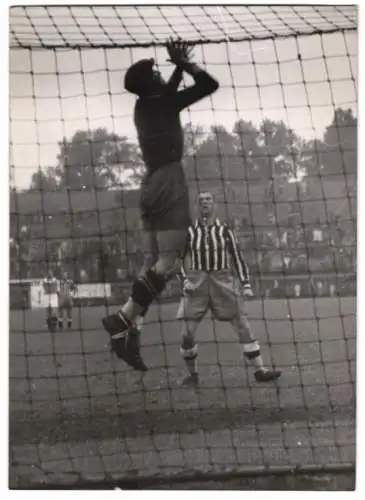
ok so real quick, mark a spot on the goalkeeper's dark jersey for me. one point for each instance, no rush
(158, 123)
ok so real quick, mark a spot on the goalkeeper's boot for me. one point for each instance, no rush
(191, 380)
(134, 353)
(117, 326)
(124, 341)
(267, 375)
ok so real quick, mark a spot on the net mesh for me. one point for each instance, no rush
(277, 146)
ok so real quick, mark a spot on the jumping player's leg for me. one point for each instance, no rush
(147, 288)
(150, 256)
(251, 347)
(165, 213)
(193, 307)
(189, 350)
(60, 314)
(69, 308)
(229, 305)
(144, 291)
(51, 314)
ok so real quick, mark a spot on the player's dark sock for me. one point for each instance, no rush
(69, 323)
(60, 323)
(252, 353)
(190, 355)
(133, 346)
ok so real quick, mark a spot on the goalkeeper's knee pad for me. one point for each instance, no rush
(146, 288)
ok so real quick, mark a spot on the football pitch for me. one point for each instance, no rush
(77, 412)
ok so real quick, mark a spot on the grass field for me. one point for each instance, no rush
(76, 411)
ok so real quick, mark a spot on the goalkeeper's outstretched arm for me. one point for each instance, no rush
(175, 79)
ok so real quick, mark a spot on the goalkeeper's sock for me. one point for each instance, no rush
(252, 353)
(190, 356)
(139, 321)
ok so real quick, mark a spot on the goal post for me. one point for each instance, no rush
(277, 146)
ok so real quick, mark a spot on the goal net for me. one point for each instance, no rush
(277, 146)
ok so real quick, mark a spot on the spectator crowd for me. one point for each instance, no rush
(288, 247)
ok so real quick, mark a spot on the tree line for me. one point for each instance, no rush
(100, 159)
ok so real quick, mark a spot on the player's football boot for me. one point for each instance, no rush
(191, 380)
(125, 347)
(267, 375)
(126, 350)
(133, 347)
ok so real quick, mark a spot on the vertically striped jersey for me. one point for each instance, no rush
(50, 286)
(66, 288)
(213, 248)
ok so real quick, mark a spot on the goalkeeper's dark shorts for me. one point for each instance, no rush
(164, 199)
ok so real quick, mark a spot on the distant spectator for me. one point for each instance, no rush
(83, 276)
(317, 234)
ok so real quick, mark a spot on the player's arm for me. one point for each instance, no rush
(238, 261)
(204, 85)
(175, 79)
(187, 286)
(181, 274)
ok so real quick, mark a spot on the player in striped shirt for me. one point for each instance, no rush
(210, 284)
(66, 290)
(50, 290)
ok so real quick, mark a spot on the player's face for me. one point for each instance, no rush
(154, 81)
(206, 204)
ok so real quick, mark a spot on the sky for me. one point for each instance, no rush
(53, 93)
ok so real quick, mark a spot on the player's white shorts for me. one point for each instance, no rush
(218, 291)
(52, 300)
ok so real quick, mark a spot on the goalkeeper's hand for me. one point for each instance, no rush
(179, 52)
(247, 291)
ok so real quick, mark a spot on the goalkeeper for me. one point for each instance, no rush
(209, 284)
(164, 201)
